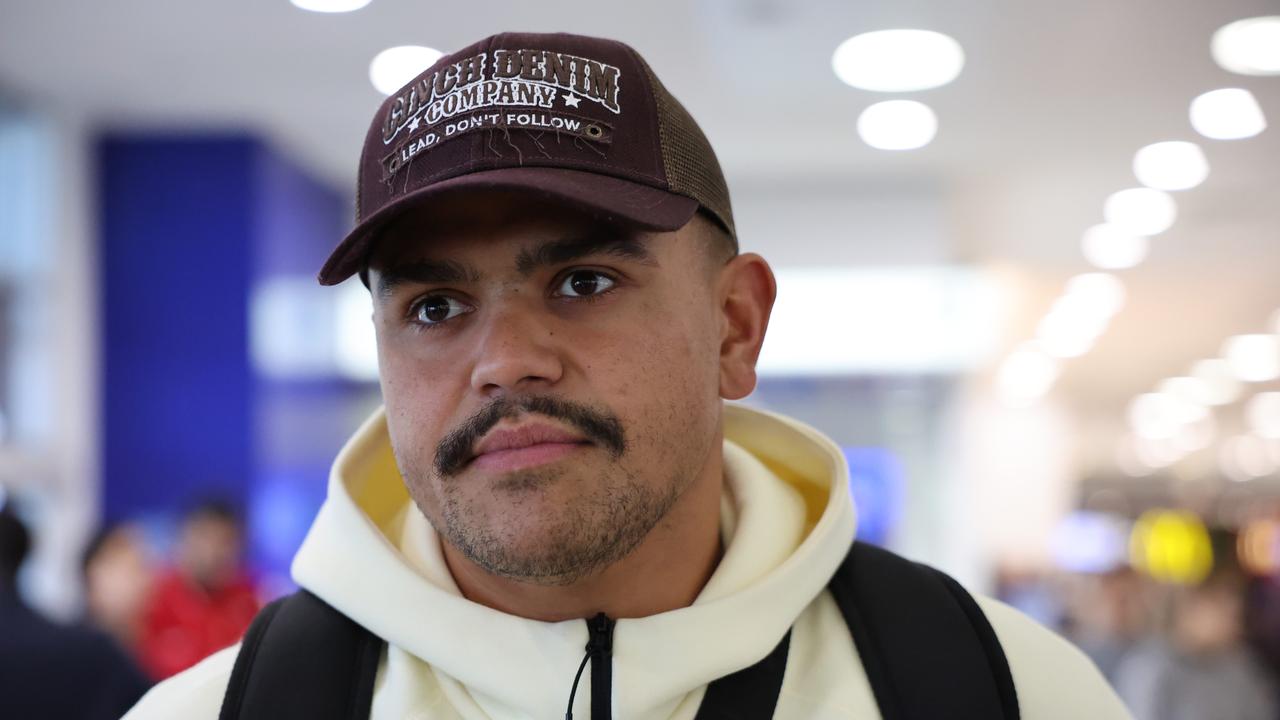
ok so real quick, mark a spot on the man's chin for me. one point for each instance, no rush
(537, 557)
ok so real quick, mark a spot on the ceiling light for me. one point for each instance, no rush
(1253, 358)
(1171, 165)
(1245, 457)
(1026, 375)
(330, 6)
(1142, 211)
(1196, 435)
(897, 125)
(1154, 453)
(1263, 413)
(1101, 294)
(1249, 47)
(1110, 248)
(1220, 383)
(1080, 316)
(394, 67)
(898, 60)
(1066, 335)
(1227, 114)
(1160, 416)
(1189, 389)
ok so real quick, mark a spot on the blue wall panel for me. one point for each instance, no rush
(190, 226)
(176, 249)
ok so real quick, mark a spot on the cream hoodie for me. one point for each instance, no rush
(787, 522)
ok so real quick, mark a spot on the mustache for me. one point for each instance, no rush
(599, 426)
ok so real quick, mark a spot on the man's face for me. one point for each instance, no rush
(210, 549)
(551, 383)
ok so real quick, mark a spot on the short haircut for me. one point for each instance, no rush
(104, 536)
(721, 245)
(214, 509)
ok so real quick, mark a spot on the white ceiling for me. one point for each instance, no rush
(1038, 129)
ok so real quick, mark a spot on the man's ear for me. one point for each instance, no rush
(746, 293)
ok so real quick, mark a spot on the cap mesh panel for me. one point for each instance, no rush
(690, 163)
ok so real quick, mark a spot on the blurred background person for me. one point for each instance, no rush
(205, 601)
(119, 573)
(49, 670)
(1109, 613)
(1201, 668)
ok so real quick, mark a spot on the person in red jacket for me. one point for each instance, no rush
(204, 602)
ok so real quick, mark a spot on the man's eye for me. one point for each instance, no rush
(435, 309)
(584, 283)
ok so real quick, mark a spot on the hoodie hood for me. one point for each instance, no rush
(787, 522)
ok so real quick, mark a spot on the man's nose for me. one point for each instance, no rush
(517, 351)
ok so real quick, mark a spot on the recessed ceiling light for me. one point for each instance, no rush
(394, 67)
(1069, 330)
(1245, 457)
(898, 125)
(1026, 375)
(1253, 358)
(1249, 47)
(1110, 248)
(1189, 389)
(1263, 413)
(1220, 381)
(898, 60)
(1160, 416)
(1172, 165)
(330, 6)
(1227, 114)
(1141, 211)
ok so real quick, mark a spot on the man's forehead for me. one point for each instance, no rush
(523, 254)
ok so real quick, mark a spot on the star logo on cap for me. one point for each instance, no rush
(413, 125)
(571, 101)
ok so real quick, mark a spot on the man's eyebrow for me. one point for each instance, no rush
(424, 272)
(556, 252)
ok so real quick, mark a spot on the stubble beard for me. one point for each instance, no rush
(586, 535)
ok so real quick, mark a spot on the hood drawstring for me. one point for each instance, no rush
(600, 653)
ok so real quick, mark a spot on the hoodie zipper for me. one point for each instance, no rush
(600, 648)
(600, 653)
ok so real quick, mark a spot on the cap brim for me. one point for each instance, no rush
(611, 199)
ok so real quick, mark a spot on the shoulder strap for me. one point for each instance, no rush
(303, 659)
(927, 648)
(750, 693)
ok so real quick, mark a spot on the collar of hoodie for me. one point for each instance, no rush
(787, 522)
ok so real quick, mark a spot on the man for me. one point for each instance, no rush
(205, 601)
(561, 312)
(54, 671)
(1201, 666)
(119, 575)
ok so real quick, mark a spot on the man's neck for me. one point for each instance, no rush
(664, 572)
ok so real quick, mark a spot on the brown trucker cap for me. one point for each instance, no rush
(578, 120)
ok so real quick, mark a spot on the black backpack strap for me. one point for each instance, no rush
(749, 694)
(928, 650)
(303, 659)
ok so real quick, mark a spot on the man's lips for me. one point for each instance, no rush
(512, 448)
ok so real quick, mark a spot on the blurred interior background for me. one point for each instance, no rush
(1029, 278)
